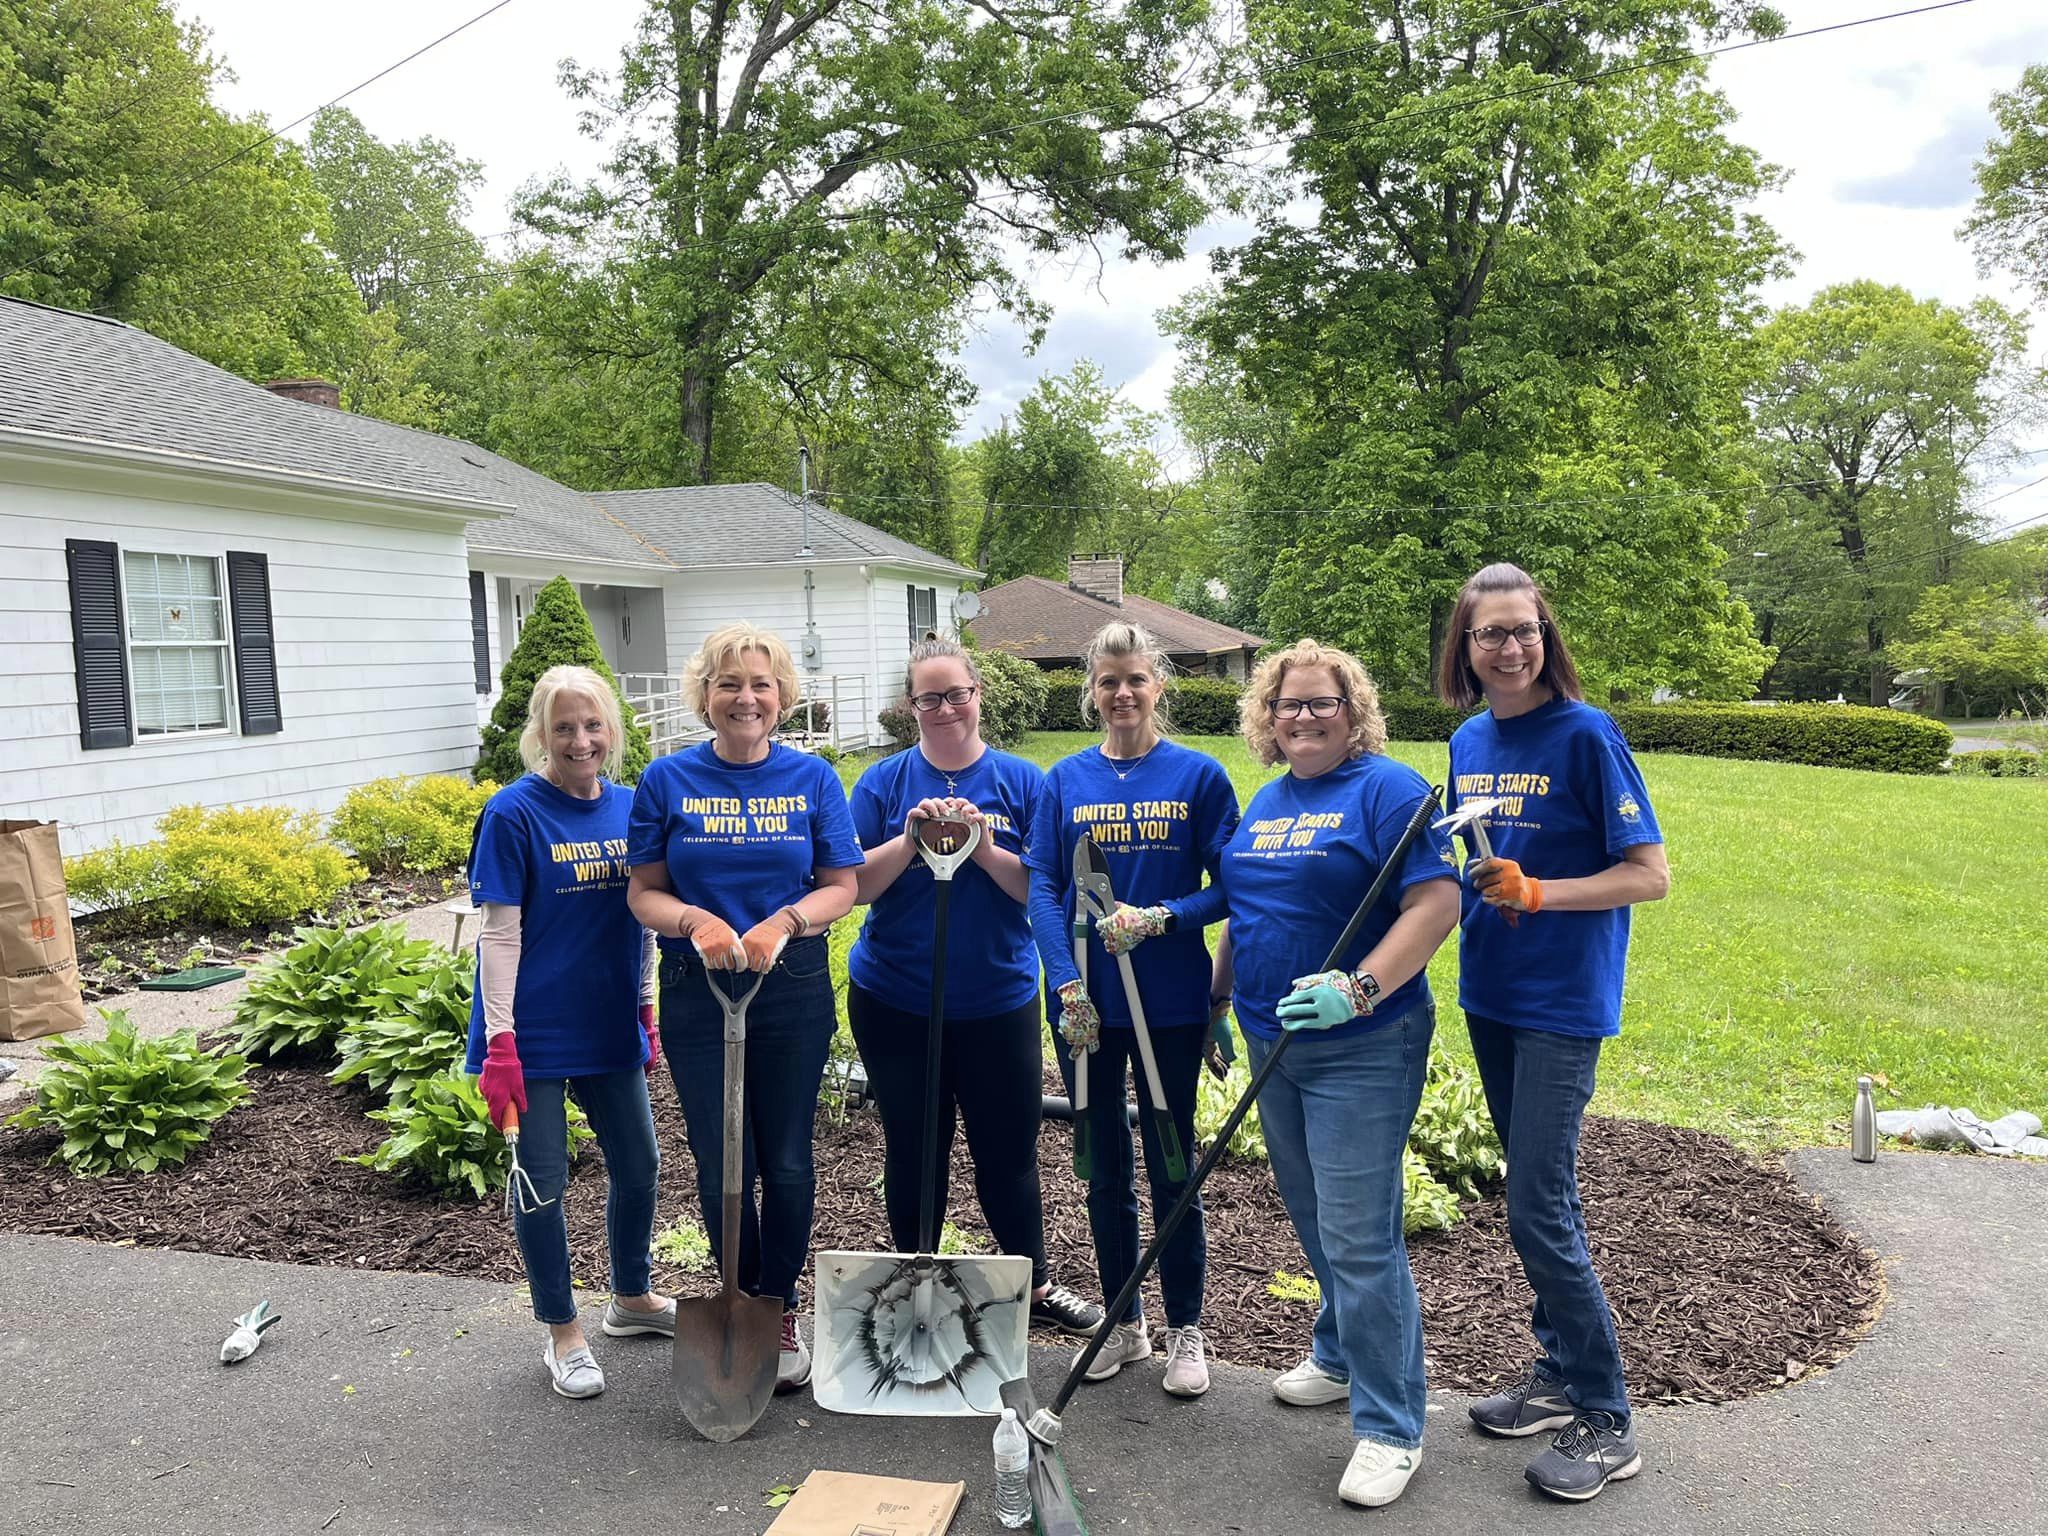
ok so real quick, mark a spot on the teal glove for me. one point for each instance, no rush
(1325, 1000)
(1222, 1044)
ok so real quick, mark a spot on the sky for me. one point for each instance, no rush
(1876, 128)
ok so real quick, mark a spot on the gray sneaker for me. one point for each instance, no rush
(1532, 1405)
(574, 1374)
(1587, 1455)
(621, 1322)
(1127, 1344)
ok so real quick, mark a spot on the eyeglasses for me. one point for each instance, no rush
(1491, 637)
(1319, 709)
(925, 703)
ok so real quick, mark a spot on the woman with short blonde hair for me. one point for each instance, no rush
(1338, 1106)
(564, 1004)
(742, 855)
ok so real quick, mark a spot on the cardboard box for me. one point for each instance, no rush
(859, 1504)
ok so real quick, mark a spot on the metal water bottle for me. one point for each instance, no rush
(1863, 1125)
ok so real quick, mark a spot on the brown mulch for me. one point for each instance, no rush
(119, 950)
(1725, 1279)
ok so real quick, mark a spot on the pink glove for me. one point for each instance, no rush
(503, 1082)
(653, 1037)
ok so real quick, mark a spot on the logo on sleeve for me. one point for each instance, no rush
(1627, 808)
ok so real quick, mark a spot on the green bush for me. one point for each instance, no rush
(129, 1104)
(330, 979)
(1013, 695)
(234, 867)
(900, 721)
(421, 1028)
(421, 824)
(1195, 706)
(1822, 735)
(441, 1135)
(557, 633)
(1419, 717)
(1062, 711)
(2001, 763)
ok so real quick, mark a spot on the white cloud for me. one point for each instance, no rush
(1939, 174)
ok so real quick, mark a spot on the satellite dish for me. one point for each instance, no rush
(967, 607)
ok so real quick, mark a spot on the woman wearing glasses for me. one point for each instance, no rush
(989, 1072)
(1339, 1104)
(1160, 814)
(1541, 957)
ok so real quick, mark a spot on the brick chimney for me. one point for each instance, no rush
(1098, 575)
(312, 391)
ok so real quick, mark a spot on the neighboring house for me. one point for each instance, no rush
(1050, 624)
(217, 593)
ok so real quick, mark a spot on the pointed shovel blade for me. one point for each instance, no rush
(723, 1365)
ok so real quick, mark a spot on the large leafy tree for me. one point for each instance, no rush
(1508, 330)
(2010, 225)
(1878, 414)
(755, 150)
(125, 189)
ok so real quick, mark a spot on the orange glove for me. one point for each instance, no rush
(763, 942)
(1501, 883)
(717, 945)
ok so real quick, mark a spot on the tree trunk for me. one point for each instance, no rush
(693, 459)
(1439, 618)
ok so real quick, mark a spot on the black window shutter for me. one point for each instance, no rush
(480, 631)
(255, 643)
(100, 643)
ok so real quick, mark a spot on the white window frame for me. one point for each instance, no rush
(226, 645)
(916, 595)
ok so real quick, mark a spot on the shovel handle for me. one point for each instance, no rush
(1084, 1157)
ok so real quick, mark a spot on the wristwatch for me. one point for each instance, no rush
(1368, 989)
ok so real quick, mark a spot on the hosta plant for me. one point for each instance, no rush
(331, 978)
(441, 1134)
(130, 1104)
(421, 1028)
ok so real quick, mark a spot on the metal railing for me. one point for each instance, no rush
(835, 711)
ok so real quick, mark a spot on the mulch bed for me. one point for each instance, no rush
(1725, 1279)
(119, 950)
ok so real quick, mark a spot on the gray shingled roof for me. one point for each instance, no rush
(98, 381)
(701, 526)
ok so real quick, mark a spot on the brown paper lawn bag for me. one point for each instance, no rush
(860, 1504)
(39, 992)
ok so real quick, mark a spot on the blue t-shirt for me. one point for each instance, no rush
(1162, 824)
(1298, 866)
(740, 839)
(1575, 802)
(562, 862)
(991, 966)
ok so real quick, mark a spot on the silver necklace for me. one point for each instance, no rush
(952, 779)
(1131, 767)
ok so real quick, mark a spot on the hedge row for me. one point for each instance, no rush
(1822, 735)
(2002, 763)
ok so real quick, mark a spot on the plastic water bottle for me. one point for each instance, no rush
(1013, 1465)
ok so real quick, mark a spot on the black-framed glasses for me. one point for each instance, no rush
(925, 703)
(1318, 708)
(1491, 637)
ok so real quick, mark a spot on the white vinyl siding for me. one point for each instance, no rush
(178, 666)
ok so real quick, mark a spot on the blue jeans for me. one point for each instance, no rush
(1336, 1115)
(789, 1033)
(616, 1103)
(1537, 1084)
(1113, 1174)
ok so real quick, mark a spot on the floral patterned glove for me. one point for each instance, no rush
(1080, 1024)
(1128, 927)
(1326, 999)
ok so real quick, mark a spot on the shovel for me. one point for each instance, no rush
(728, 1346)
(915, 1334)
(1092, 892)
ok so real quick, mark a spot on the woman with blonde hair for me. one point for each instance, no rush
(742, 855)
(1337, 1109)
(564, 1006)
(1161, 814)
(1541, 956)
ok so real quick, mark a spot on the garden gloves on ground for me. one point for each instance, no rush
(503, 1080)
(1501, 883)
(1080, 1024)
(1128, 927)
(1325, 1000)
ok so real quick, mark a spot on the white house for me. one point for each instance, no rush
(219, 594)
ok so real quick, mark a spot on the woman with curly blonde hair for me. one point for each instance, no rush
(1339, 1104)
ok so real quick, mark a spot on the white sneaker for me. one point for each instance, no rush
(1128, 1343)
(1308, 1385)
(574, 1374)
(1187, 1366)
(794, 1367)
(1377, 1474)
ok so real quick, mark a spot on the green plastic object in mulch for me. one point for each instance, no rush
(198, 977)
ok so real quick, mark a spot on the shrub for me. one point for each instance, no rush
(129, 1104)
(419, 824)
(421, 1028)
(900, 721)
(1426, 1205)
(235, 867)
(1196, 706)
(1013, 695)
(812, 715)
(1453, 1133)
(2001, 763)
(1062, 711)
(441, 1134)
(556, 633)
(1822, 735)
(1419, 717)
(683, 1244)
(330, 979)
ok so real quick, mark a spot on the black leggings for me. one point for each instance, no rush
(989, 1070)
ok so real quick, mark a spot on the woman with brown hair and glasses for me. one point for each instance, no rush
(1543, 947)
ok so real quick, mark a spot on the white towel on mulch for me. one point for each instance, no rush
(2013, 1135)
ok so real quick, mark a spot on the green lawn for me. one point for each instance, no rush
(1821, 923)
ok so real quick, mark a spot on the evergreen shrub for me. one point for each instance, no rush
(557, 633)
